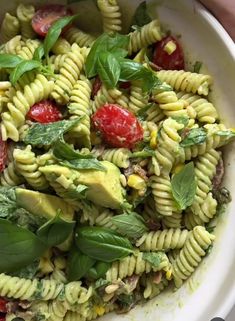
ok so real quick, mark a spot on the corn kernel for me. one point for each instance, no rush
(100, 310)
(177, 168)
(170, 47)
(136, 182)
(153, 139)
(169, 275)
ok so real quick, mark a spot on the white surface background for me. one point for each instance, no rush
(231, 316)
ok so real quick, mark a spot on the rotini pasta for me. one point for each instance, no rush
(111, 15)
(138, 99)
(74, 35)
(118, 156)
(10, 27)
(105, 95)
(25, 13)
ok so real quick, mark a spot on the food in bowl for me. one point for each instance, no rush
(111, 166)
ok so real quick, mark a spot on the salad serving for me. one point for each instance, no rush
(111, 163)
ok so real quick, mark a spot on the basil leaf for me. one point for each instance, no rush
(46, 134)
(77, 192)
(225, 133)
(197, 66)
(154, 259)
(106, 42)
(38, 53)
(62, 150)
(141, 16)
(146, 152)
(55, 231)
(130, 225)
(18, 247)
(102, 244)
(184, 186)
(27, 272)
(55, 31)
(181, 120)
(98, 270)
(78, 264)
(195, 136)
(9, 61)
(84, 164)
(22, 68)
(7, 201)
(108, 69)
(100, 283)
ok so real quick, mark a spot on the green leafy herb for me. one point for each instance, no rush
(27, 272)
(55, 31)
(84, 164)
(181, 120)
(46, 134)
(153, 258)
(102, 244)
(141, 16)
(9, 61)
(130, 225)
(184, 186)
(62, 150)
(197, 66)
(225, 133)
(22, 68)
(55, 231)
(195, 136)
(77, 192)
(8, 201)
(146, 152)
(78, 264)
(18, 247)
(98, 270)
(38, 53)
(101, 283)
(108, 69)
(105, 43)
(142, 112)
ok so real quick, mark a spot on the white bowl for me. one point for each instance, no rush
(210, 292)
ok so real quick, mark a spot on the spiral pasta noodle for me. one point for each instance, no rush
(57, 62)
(206, 112)
(138, 99)
(13, 46)
(134, 264)
(10, 27)
(79, 105)
(94, 312)
(162, 240)
(10, 176)
(27, 50)
(52, 310)
(186, 81)
(21, 102)
(105, 95)
(118, 156)
(69, 74)
(61, 47)
(152, 289)
(26, 164)
(173, 221)
(155, 113)
(111, 15)
(147, 35)
(74, 35)
(25, 13)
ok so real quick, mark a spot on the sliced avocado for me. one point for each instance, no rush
(43, 204)
(104, 187)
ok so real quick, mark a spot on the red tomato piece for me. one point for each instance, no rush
(96, 87)
(3, 158)
(125, 85)
(2, 318)
(45, 16)
(118, 126)
(46, 111)
(3, 305)
(173, 61)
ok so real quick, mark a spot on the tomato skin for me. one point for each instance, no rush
(45, 111)
(2, 318)
(3, 305)
(96, 87)
(125, 85)
(46, 16)
(3, 159)
(118, 127)
(161, 58)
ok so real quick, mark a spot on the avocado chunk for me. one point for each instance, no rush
(104, 187)
(43, 204)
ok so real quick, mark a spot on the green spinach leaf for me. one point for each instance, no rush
(18, 247)
(77, 192)
(47, 134)
(98, 270)
(84, 164)
(62, 150)
(102, 244)
(78, 264)
(8, 201)
(39, 53)
(154, 258)
(197, 66)
(141, 16)
(184, 186)
(9, 61)
(226, 133)
(181, 120)
(146, 152)
(55, 231)
(22, 68)
(195, 136)
(130, 225)
(108, 69)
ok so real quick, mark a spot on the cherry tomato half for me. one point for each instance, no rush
(3, 305)
(3, 160)
(118, 127)
(46, 15)
(96, 87)
(165, 60)
(45, 111)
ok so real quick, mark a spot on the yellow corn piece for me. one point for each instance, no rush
(177, 168)
(140, 56)
(136, 182)
(153, 139)
(232, 129)
(170, 47)
(169, 275)
(100, 310)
